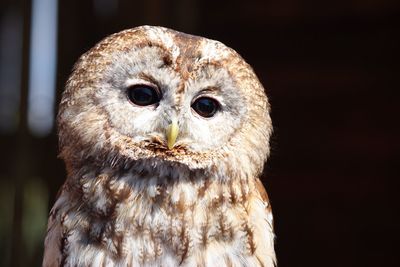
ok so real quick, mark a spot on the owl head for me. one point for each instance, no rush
(158, 95)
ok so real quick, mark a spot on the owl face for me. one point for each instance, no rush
(143, 96)
(151, 92)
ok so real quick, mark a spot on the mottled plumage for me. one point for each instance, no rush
(130, 199)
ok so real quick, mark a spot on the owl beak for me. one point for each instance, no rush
(172, 133)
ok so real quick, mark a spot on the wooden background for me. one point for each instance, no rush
(330, 70)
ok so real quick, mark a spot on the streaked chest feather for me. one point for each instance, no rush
(134, 219)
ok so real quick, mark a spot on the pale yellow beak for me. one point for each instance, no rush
(172, 133)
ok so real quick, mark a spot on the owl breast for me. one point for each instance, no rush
(138, 219)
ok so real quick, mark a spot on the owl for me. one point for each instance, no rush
(164, 136)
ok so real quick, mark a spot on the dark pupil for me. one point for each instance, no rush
(205, 107)
(143, 95)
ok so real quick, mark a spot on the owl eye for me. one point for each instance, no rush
(206, 106)
(143, 95)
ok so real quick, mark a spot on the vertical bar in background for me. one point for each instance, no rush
(42, 67)
(10, 69)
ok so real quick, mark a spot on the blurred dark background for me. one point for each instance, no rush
(330, 70)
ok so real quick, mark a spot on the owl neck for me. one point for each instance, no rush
(159, 185)
(157, 182)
